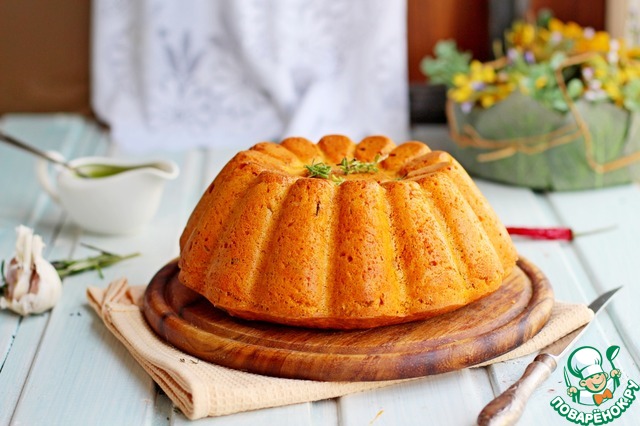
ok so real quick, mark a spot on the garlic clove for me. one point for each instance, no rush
(33, 284)
(20, 265)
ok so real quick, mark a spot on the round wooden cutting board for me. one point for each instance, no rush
(475, 333)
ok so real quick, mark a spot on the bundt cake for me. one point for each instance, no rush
(339, 235)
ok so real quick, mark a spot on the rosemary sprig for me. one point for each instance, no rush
(355, 166)
(104, 259)
(337, 179)
(319, 170)
(324, 171)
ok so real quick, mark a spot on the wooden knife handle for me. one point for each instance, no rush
(507, 408)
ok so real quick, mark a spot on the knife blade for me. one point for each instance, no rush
(507, 408)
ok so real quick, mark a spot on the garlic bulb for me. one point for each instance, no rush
(32, 283)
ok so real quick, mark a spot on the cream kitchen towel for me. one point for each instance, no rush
(202, 389)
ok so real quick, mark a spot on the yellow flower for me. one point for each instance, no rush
(487, 100)
(463, 89)
(605, 75)
(488, 74)
(613, 90)
(506, 89)
(628, 53)
(630, 73)
(461, 94)
(634, 52)
(541, 81)
(522, 34)
(480, 85)
(572, 30)
(475, 68)
(601, 41)
(460, 79)
(598, 43)
(482, 73)
(556, 25)
(623, 76)
(544, 34)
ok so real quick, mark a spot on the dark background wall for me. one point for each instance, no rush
(44, 45)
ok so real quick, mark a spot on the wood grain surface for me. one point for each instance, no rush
(478, 332)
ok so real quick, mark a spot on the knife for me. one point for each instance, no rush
(507, 408)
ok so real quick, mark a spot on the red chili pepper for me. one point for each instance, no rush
(557, 233)
(565, 234)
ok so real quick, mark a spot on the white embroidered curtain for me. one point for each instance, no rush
(230, 73)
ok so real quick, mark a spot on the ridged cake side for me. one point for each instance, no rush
(413, 240)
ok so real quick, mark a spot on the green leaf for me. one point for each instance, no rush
(544, 16)
(575, 88)
(631, 95)
(557, 59)
(448, 62)
(560, 105)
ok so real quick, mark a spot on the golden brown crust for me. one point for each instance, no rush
(372, 147)
(307, 151)
(365, 277)
(336, 147)
(404, 154)
(278, 152)
(431, 274)
(236, 257)
(299, 250)
(413, 240)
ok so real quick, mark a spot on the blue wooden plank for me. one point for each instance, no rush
(25, 203)
(112, 388)
(291, 415)
(447, 399)
(610, 256)
(572, 280)
(81, 374)
(16, 365)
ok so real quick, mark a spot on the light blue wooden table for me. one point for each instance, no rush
(64, 367)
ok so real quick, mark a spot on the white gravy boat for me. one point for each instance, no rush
(119, 197)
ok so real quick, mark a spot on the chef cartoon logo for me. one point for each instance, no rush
(594, 383)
